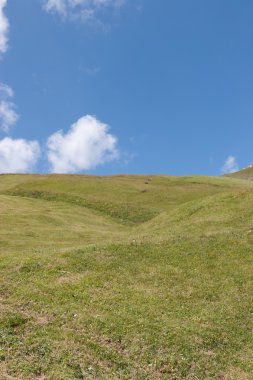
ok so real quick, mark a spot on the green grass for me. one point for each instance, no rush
(126, 277)
(246, 173)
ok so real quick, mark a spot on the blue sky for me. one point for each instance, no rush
(126, 86)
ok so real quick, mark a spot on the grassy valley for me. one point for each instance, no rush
(126, 277)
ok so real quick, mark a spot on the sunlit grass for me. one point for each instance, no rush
(161, 292)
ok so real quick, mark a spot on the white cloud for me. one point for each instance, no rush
(86, 145)
(56, 6)
(5, 90)
(8, 114)
(230, 165)
(84, 9)
(4, 27)
(18, 156)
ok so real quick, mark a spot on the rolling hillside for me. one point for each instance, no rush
(126, 277)
(246, 173)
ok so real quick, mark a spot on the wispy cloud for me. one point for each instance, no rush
(230, 165)
(18, 156)
(86, 10)
(4, 27)
(8, 114)
(86, 145)
(90, 71)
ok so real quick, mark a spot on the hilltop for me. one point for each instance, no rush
(126, 277)
(246, 173)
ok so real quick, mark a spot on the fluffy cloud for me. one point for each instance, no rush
(86, 145)
(4, 26)
(84, 9)
(230, 165)
(18, 156)
(8, 115)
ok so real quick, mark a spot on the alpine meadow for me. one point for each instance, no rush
(126, 277)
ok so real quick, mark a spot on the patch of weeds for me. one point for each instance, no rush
(12, 321)
(76, 370)
(29, 267)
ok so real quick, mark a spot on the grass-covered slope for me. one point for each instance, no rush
(246, 173)
(126, 277)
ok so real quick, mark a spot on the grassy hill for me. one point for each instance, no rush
(246, 173)
(126, 277)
